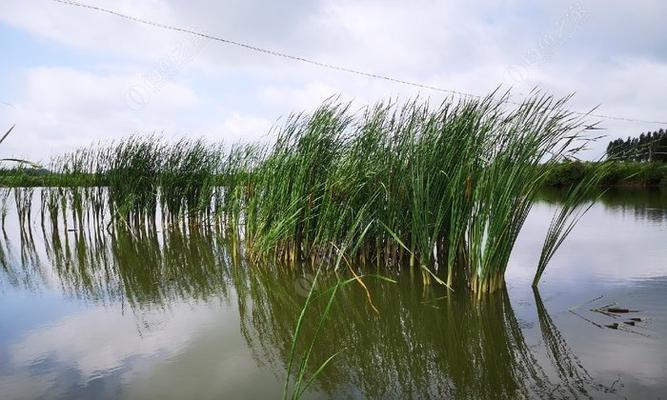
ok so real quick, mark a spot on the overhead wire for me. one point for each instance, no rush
(335, 67)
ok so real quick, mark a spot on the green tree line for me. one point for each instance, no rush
(651, 146)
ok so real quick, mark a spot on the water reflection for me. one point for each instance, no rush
(423, 345)
(646, 205)
(139, 267)
(187, 294)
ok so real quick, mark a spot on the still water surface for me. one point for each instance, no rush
(167, 315)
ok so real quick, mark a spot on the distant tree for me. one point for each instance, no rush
(648, 147)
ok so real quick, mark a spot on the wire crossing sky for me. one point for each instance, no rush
(321, 64)
(79, 73)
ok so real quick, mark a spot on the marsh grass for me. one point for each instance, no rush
(439, 190)
(577, 201)
(445, 189)
(141, 175)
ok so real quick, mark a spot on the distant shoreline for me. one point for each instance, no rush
(622, 174)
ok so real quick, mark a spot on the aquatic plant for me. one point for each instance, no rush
(577, 201)
(144, 174)
(441, 190)
(444, 189)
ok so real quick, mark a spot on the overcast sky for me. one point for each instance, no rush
(72, 77)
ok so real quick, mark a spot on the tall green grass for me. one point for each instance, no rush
(445, 188)
(577, 201)
(441, 190)
(147, 174)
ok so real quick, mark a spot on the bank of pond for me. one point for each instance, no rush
(618, 174)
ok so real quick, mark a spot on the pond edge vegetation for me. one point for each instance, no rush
(439, 190)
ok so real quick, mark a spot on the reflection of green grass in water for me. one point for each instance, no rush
(456, 347)
(575, 380)
(142, 268)
(426, 342)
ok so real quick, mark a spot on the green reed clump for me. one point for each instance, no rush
(444, 189)
(289, 185)
(187, 177)
(440, 189)
(143, 175)
(133, 169)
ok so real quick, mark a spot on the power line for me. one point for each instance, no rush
(319, 63)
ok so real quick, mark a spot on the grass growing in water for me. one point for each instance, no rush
(145, 173)
(442, 190)
(451, 185)
(578, 200)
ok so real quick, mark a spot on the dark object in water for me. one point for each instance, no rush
(631, 323)
(612, 326)
(636, 319)
(617, 310)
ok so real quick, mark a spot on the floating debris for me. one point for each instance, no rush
(616, 310)
(612, 310)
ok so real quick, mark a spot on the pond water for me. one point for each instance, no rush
(168, 315)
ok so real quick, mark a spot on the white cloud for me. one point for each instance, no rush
(240, 128)
(298, 98)
(613, 56)
(68, 91)
(90, 31)
(61, 108)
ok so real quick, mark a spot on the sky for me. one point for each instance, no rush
(72, 77)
